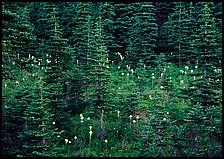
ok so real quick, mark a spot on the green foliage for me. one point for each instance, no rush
(104, 79)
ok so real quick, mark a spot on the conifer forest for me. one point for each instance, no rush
(112, 79)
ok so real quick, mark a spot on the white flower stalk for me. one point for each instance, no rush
(66, 141)
(90, 134)
(17, 82)
(181, 82)
(196, 66)
(194, 78)
(153, 74)
(75, 137)
(182, 71)
(118, 113)
(29, 56)
(69, 142)
(18, 56)
(118, 67)
(88, 118)
(164, 69)
(32, 57)
(53, 123)
(108, 67)
(90, 128)
(119, 87)
(122, 74)
(105, 141)
(132, 71)
(134, 121)
(171, 53)
(137, 117)
(161, 87)
(58, 136)
(164, 119)
(48, 61)
(138, 77)
(186, 67)
(77, 62)
(150, 97)
(127, 74)
(130, 116)
(167, 113)
(153, 77)
(192, 71)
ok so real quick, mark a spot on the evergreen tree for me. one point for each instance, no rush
(57, 66)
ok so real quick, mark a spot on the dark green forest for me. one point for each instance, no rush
(110, 79)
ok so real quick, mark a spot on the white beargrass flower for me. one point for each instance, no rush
(88, 118)
(182, 82)
(90, 127)
(108, 67)
(164, 119)
(53, 123)
(153, 77)
(138, 77)
(127, 74)
(167, 113)
(75, 137)
(17, 82)
(192, 71)
(80, 115)
(66, 141)
(82, 118)
(69, 142)
(58, 136)
(137, 117)
(150, 96)
(134, 121)
(196, 66)
(186, 67)
(90, 132)
(130, 116)
(106, 141)
(161, 75)
(118, 67)
(161, 87)
(122, 74)
(132, 71)
(5, 85)
(118, 113)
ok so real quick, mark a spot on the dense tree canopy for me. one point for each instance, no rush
(109, 79)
